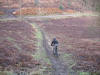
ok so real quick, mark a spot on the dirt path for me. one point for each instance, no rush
(58, 67)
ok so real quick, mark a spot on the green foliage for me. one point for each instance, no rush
(98, 8)
(39, 35)
(84, 73)
(88, 73)
(40, 54)
(61, 7)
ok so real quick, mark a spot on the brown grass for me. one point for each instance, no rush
(76, 36)
(1, 13)
(17, 44)
(42, 11)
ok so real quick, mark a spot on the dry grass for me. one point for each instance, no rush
(17, 44)
(76, 37)
(1, 13)
(41, 11)
(69, 11)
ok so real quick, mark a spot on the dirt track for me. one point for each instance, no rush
(58, 67)
(77, 36)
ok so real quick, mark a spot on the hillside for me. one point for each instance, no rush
(17, 45)
(28, 27)
(78, 38)
(72, 4)
(48, 7)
